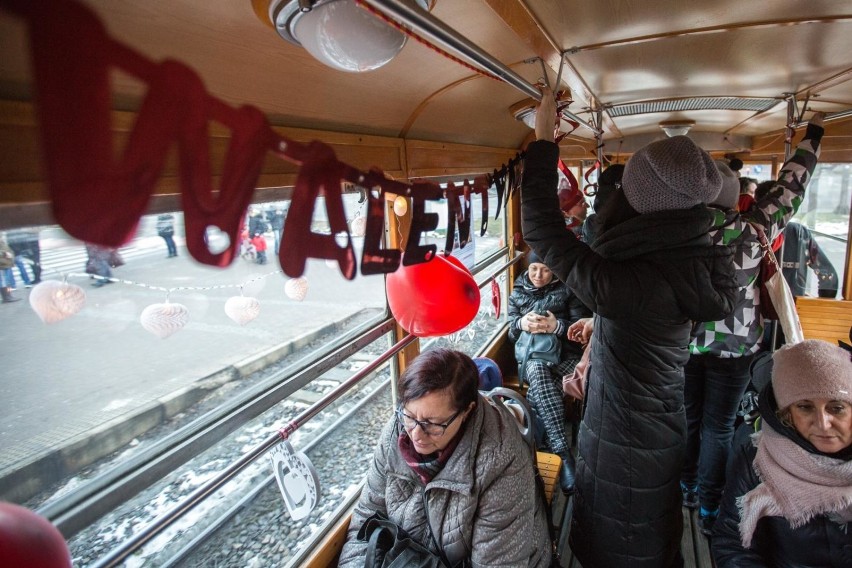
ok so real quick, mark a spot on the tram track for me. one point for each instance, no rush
(179, 544)
(248, 501)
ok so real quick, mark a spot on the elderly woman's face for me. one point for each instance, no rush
(435, 408)
(540, 275)
(827, 424)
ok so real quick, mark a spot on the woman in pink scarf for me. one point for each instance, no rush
(788, 500)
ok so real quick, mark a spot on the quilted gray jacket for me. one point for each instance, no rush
(482, 506)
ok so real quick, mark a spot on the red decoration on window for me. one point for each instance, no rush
(99, 198)
(320, 173)
(496, 298)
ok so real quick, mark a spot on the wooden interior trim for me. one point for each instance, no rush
(328, 550)
(22, 173)
(415, 114)
(427, 159)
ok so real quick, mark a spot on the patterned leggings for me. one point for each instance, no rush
(545, 398)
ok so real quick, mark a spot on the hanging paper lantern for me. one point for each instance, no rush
(358, 227)
(164, 319)
(242, 309)
(296, 288)
(400, 206)
(54, 301)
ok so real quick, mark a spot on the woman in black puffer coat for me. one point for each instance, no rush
(540, 303)
(650, 273)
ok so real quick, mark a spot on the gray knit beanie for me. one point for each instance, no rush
(730, 192)
(670, 174)
(811, 369)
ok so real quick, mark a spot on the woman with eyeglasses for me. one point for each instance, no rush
(454, 472)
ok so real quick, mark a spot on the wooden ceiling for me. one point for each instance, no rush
(617, 52)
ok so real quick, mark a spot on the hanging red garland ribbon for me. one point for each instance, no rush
(72, 57)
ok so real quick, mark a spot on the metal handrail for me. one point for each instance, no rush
(828, 236)
(436, 31)
(80, 508)
(121, 552)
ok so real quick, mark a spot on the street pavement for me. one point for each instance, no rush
(60, 382)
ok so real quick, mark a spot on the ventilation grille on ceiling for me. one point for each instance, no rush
(703, 103)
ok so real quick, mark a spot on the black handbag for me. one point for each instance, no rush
(389, 546)
(542, 346)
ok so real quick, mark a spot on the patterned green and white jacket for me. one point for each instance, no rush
(740, 332)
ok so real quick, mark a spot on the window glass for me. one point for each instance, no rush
(825, 211)
(96, 387)
(478, 246)
(757, 171)
(246, 522)
(102, 389)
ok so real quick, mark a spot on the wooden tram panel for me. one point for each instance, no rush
(822, 318)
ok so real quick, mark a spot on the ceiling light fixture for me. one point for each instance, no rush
(338, 33)
(525, 111)
(676, 127)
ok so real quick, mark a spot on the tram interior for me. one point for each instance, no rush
(149, 451)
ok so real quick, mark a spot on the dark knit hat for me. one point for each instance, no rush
(533, 257)
(730, 192)
(609, 181)
(811, 369)
(670, 174)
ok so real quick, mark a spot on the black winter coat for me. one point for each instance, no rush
(554, 297)
(820, 543)
(646, 280)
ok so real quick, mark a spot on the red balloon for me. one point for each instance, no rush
(28, 540)
(432, 298)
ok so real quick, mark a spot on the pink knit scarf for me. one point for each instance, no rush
(795, 484)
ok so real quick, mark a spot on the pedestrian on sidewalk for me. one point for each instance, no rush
(98, 264)
(259, 244)
(166, 229)
(7, 279)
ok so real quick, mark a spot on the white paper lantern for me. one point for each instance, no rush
(296, 288)
(400, 206)
(54, 301)
(358, 227)
(242, 309)
(164, 319)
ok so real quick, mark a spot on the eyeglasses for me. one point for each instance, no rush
(429, 428)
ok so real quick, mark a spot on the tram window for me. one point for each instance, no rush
(825, 211)
(479, 257)
(758, 171)
(245, 522)
(94, 390)
(479, 246)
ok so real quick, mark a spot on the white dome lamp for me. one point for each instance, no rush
(676, 127)
(339, 33)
